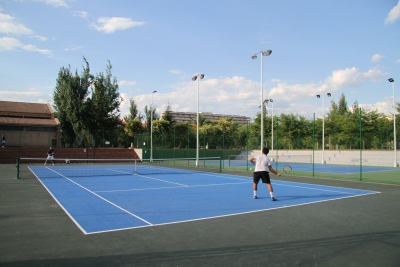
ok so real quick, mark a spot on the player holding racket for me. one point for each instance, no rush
(263, 164)
(50, 156)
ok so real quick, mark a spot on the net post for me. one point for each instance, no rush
(135, 170)
(18, 162)
(220, 164)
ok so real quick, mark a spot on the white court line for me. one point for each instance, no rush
(151, 178)
(309, 188)
(232, 214)
(106, 200)
(59, 204)
(172, 187)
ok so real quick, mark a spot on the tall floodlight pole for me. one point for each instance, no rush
(323, 124)
(272, 125)
(194, 78)
(391, 80)
(263, 53)
(151, 127)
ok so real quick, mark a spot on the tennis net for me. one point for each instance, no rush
(299, 158)
(26, 167)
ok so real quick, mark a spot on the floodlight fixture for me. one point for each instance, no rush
(266, 53)
(194, 78)
(318, 96)
(201, 76)
(329, 94)
(254, 57)
(391, 80)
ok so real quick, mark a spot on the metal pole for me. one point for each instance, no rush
(262, 106)
(360, 145)
(313, 149)
(272, 127)
(323, 127)
(151, 127)
(394, 129)
(197, 126)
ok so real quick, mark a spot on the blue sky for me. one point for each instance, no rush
(334, 46)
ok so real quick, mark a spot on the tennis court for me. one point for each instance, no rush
(208, 219)
(115, 197)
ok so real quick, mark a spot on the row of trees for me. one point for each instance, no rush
(344, 128)
(87, 106)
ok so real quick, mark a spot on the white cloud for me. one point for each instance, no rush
(110, 25)
(175, 71)
(385, 107)
(33, 48)
(398, 61)
(30, 96)
(72, 48)
(377, 57)
(81, 14)
(127, 83)
(394, 14)
(8, 25)
(55, 3)
(240, 96)
(8, 43)
(40, 38)
(352, 77)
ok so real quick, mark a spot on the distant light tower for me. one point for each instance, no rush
(323, 123)
(151, 126)
(263, 53)
(272, 127)
(391, 80)
(194, 78)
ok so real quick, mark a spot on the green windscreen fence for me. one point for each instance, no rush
(354, 146)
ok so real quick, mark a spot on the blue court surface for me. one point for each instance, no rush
(308, 167)
(125, 201)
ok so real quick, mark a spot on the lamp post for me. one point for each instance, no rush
(151, 127)
(194, 78)
(323, 123)
(262, 53)
(391, 80)
(272, 125)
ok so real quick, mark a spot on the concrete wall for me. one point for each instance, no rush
(29, 138)
(342, 157)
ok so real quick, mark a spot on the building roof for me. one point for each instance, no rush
(27, 114)
(23, 107)
(12, 121)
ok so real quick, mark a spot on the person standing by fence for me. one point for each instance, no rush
(3, 140)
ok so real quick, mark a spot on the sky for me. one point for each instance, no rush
(348, 47)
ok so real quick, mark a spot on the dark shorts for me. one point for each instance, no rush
(264, 176)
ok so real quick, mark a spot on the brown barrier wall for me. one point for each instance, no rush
(10, 154)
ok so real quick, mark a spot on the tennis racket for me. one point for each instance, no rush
(286, 169)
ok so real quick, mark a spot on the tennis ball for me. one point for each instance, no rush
(251, 169)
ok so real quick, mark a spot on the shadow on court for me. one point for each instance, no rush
(361, 231)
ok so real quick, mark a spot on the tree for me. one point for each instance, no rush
(133, 112)
(87, 113)
(69, 100)
(147, 114)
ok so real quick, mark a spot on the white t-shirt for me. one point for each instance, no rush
(262, 163)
